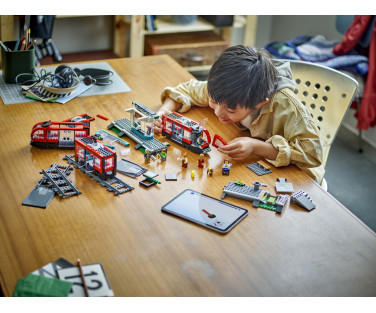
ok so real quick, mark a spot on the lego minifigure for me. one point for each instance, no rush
(163, 155)
(200, 140)
(226, 167)
(201, 161)
(184, 160)
(147, 156)
(210, 171)
(193, 173)
(149, 129)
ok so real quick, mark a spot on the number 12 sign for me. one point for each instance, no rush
(95, 278)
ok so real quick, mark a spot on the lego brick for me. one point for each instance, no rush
(259, 197)
(39, 197)
(258, 169)
(264, 164)
(218, 141)
(281, 185)
(241, 191)
(169, 177)
(302, 199)
(150, 174)
(305, 203)
(147, 183)
(130, 169)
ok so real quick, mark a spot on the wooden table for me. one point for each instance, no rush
(144, 252)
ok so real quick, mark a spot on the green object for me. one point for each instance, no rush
(267, 206)
(35, 98)
(17, 62)
(271, 207)
(41, 286)
(152, 180)
(115, 130)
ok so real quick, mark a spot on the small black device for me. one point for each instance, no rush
(206, 211)
(95, 76)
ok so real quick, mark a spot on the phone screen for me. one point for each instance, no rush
(205, 210)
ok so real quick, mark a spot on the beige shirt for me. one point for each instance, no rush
(283, 121)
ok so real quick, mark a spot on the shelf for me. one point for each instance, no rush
(165, 26)
(136, 26)
(198, 68)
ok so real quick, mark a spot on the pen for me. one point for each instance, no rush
(27, 38)
(31, 45)
(82, 278)
(16, 46)
(4, 46)
(22, 43)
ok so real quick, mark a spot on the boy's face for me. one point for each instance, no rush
(228, 116)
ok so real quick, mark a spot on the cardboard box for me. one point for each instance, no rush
(188, 49)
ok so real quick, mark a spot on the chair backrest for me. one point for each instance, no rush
(327, 94)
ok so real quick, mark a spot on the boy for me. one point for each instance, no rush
(245, 86)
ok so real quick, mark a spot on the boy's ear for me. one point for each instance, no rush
(260, 104)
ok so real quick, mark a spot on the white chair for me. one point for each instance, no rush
(327, 94)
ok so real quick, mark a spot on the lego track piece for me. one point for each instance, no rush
(66, 169)
(115, 185)
(70, 159)
(60, 183)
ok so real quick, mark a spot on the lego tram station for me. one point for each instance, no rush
(100, 161)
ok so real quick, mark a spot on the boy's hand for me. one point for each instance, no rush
(168, 106)
(239, 148)
(158, 123)
(243, 147)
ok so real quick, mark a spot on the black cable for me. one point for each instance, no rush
(36, 78)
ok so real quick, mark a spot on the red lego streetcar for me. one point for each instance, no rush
(58, 134)
(186, 132)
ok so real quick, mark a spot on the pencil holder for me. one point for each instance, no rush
(17, 62)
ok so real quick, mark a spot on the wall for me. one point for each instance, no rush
(83, 33)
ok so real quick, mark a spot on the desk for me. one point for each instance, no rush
(144, 252)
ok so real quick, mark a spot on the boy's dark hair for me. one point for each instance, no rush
(242, 76)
